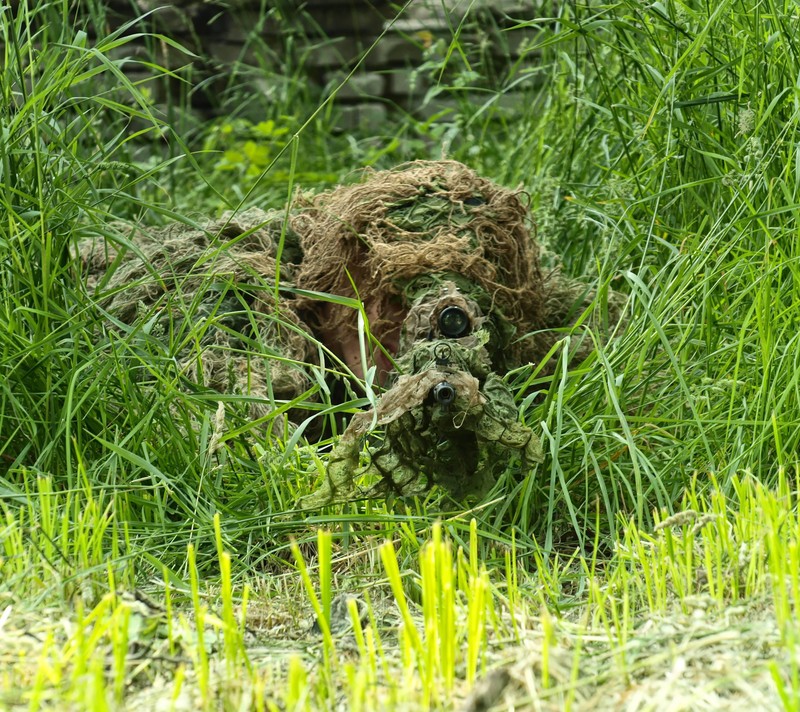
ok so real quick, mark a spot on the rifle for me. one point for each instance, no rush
(448, 419)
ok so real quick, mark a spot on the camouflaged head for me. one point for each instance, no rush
(426, 220)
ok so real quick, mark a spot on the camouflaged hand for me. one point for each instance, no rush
(448, 421)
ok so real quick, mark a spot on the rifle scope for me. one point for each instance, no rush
(453, 322)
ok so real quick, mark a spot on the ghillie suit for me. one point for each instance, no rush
(425, 247)
(399, 234)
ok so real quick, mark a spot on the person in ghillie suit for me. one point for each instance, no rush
(439, 257)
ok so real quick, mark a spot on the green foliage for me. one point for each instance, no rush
(248, 156)
(57, 172)
(655, 166)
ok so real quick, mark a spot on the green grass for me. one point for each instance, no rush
(149, 549)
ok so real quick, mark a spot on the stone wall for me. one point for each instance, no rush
(431, 56)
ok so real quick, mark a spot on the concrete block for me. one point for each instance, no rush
(422, 16)
(508, 104)
(230, 53)
(333, 54)
(518, 42)
(395, 50)
(404, 85)
(170, 19)
(370, 117)
(242, 25)
(359, 86)
(349, 21)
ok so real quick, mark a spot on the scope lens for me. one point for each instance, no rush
(453, 322)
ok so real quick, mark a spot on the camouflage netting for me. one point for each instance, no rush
(409, 243)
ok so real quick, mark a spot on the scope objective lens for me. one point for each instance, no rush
(453, 322)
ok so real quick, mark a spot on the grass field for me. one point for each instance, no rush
(151, 556)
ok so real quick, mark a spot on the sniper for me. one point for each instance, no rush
(426, 280)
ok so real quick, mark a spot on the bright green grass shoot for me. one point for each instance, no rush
(460, 629)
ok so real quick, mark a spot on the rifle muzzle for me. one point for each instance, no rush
(444, 393)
